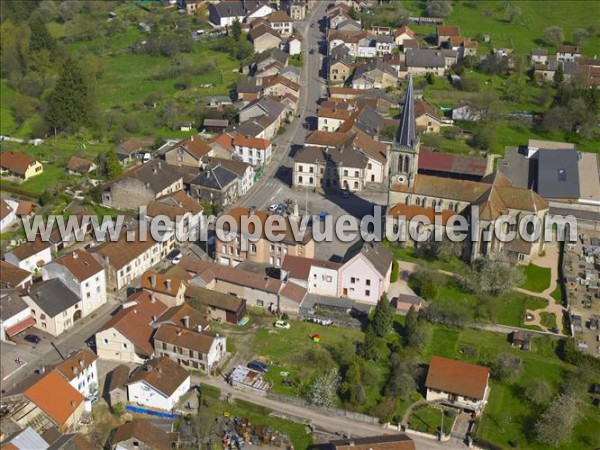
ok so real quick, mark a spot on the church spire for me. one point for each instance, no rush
(407, 131)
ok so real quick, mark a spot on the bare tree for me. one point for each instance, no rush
(580, 35)
(554, 36)
(491, 276)
(439, 8)
(556, 424)
(323, 390)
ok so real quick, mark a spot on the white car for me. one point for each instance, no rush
(282, 324)
(273, 207)
(175, 256)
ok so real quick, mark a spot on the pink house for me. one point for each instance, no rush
(365, 275)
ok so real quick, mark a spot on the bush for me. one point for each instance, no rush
(210, 391)
(285, 316)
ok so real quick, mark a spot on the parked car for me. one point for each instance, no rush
(273, 207)
(175, 256)
(345, 193)
(33, 338)
(258, 366)
(282, 324)
(320, 321)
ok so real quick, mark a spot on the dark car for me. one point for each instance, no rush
(258, 366)
(33, 338)
(312, 52)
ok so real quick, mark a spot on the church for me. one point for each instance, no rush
(482, 202)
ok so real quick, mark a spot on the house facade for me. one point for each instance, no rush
(251, 150)
(80, 370)
(19, 165)
(30, 256)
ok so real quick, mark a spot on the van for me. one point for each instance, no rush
(146, 158)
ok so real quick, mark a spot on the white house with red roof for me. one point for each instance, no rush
(458, 383)
(83, 275)
(251, 150)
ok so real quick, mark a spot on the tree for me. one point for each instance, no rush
(556, 424)
(383, 317)
(580, 35)
(513, 13)
(430, 77)
(491, 276)
(404, 374)
(112, 167)
(426, 282)
(439, 8)
(395, 271)
(351, 387)
(554, 36)
(412, 322)
(323, 390)
(559, 75)
(40, 38)
(236, 30)
(370, 346)
(484, 137)
(506, 367)
(538, 392)
(70, 104)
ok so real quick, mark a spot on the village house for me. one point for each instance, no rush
(216, 185)
(54, 306)
(445, 32)
(365, 274)
(420, 62)
(539, 56)
(245, 172)
(317, 276)
(80, 166)
(331, 118)
(185, 214)
(8, 213)
(265, 108)
(264, 38)
(30, 256)
(215, 126)
(19, 165)
(247, 89)
(331, 168)
(169, 291)
(384, 44)
(294, 45)
(257, 9)
(131, 149)
(367, 46)
(459, 384)
(127, 336)
(83, 275)
(404, 33)
(224, 14)
(141, 434)
(191, 349)
(158, 384)
(280, 86)
(568, 53)
(349, 25)
(189, 152)
(341, 65)
(282, 23)
(125, 260)
(220, 307)
(116, 391)
(80, 370)
(428, 119)
(296, 9)
(374, 75)
(262, 250)
(142, 184)
(350, 39)
(257, 290)
(58, 400)
(15, 314)
(13, 277)
(251, 150)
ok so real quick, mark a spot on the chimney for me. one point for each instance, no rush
(75, 255)
(152, 298)
(199, 328)
(81, 363)
(160, 164)
(153, 318)
(153, 281)
(106, 259)
(178, 332)
(73, 404)
(168, 284)
(186, 321)
(75, 370)
(158, 369)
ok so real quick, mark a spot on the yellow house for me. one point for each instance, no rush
(20, 165)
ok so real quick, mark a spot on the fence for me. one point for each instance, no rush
(151, 412)
(330, 411)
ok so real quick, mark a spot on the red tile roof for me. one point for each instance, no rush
(157, 282)
(404, 29)
(251, 142)
(16, 162)
(409, 212)
(12, 275)
(448, 30)
(447, 162)
(55, 396)
(299, 267)
(81, 264)
(81, 165)
(135, 322)
(457, 377)
(225, 140)
(162, 374)
(76, 363)
(5, 209)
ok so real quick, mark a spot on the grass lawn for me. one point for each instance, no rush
(428, 419)
(38, 184)
(537, 279)
(557, 295)
(548, 320)
(408, 254)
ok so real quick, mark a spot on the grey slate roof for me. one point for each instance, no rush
(369, 121)
(229, 9)
(268, 105)
(248, 128)
(343, 156)
(375, 64)
(52, 296)
(248, 85)
(374, 252)
(10, 303)
(290, 69)
(558, 174)
(407, 131)
(216, 178)
(425, 58)
(156, 173)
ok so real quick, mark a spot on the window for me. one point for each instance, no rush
(370, 166)
(124, 345)
(300, 169)
(368, 282)
(356, 173)
(352, 280)
(260, 303)
(98, 289)
(105, 341)
(164, 346)
(64, 314)
(252, 248)
(345, 173)
(368, 293)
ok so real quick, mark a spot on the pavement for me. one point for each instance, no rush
(50, 350)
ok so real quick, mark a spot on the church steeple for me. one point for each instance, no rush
(407, 131)
(405, 150)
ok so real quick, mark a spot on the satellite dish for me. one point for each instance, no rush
(401, 179)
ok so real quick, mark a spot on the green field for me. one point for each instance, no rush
(537, 279)
(428, 419)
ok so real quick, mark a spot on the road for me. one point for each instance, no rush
(323, 421)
